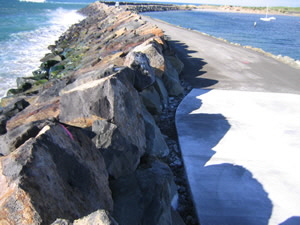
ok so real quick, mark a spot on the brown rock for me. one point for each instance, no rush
(57, 174)
(35, 112)
(100, 217)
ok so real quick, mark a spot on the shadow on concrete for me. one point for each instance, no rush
(295, 220)
(192, 71)
(224, 194)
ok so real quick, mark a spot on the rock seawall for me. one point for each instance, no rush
(79, 141)
(145, 7)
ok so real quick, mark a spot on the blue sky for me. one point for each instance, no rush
(291, 3)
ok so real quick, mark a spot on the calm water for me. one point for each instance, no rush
(280, 37)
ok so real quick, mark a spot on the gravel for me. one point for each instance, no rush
(166, 123)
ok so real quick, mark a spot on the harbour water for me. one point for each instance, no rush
(279, 37)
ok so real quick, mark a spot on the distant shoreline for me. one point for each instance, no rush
(250, 10)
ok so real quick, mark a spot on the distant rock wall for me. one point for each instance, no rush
(79, 141)
(144, 7)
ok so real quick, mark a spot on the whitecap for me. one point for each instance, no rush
(21, 54)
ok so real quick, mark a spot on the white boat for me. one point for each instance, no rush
(37, 1)
(266, 18)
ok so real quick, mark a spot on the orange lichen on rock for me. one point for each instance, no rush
(34, 113)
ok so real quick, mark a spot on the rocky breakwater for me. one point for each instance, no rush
(145, 7)
(79, 141)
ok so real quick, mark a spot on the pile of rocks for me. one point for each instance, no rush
(144, 7)
(79, 139)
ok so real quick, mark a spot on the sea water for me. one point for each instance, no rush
(26, 30)
(279, 37)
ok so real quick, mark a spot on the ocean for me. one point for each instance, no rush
(28, 28)
(279, 37)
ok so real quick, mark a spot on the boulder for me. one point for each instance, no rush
(175, 63)
(35, 112)
(151, 100)
(155, 142)
(50, 57)
(144, 197)
(57, 174)
(128, 200)
(162, 91)
(49, 61)
(3, 120)
(40, 74)
(153, 50)
(61, 222)
(55, 70)
(11, 110)
(22, 81)
(18, 136)
(157, 183)
(121, 157)
(100, 217)
(114, 100)
(144, 73)
(171, 79)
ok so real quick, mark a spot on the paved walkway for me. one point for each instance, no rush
(239, 132)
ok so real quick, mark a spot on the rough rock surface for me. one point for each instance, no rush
(80, 140)
(99, 217)
(58, 173)
(145, 196)
(140, 63)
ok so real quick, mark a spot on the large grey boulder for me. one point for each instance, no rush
(155, 142)
(144, 74)
(57, 174)
(112, 99)
(171, 79)
(153, 50)
(144, 197)
(157, 181)
(151, 100)
(162, 91)
(121, 157)
(175, 62)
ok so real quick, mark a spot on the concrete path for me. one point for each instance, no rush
(239, 132)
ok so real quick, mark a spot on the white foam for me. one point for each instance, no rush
(21, 54)
(36, 1)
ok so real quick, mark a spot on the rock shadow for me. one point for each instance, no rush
(192, 71)
(224, 194)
